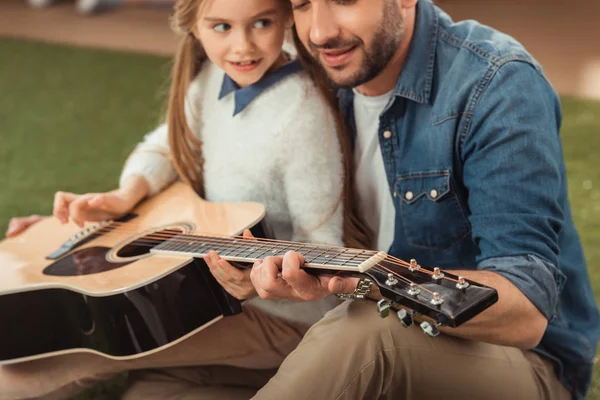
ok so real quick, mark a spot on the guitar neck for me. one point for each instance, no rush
(249, 251)
(446, 298)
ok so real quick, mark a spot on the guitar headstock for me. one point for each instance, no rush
(446, 298)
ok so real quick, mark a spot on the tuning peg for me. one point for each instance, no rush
(383, 308)
(462, 283)
(391, 280)
(437, 274)
(437, 299)
(405, 318)
(414, 266)
(430, 329)
(413, 290)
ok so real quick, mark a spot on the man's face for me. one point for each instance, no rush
(353, 40)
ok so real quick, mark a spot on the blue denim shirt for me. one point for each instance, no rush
(475, 144)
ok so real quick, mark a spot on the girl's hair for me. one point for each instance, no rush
(186, 148)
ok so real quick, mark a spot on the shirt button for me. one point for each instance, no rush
(433, 194)
(409, 196)
(387, 134)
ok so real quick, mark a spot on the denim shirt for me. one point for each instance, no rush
(475, 166)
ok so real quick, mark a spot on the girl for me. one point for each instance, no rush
(244, 123)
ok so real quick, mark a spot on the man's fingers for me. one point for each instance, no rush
(337, 284)
(291, 266)
(266, 280)
(270, 268)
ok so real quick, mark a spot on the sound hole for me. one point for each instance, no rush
(143, 244)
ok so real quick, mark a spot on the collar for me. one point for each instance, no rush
(245, 95)
(416, 79)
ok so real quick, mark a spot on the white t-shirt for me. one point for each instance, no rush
(375, 200)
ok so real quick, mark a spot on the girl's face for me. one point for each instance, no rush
(243, 37)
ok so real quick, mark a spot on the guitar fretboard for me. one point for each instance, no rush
(242, 250)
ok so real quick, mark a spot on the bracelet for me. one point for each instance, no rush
(362, 290)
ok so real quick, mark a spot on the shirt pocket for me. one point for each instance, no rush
(430, 213)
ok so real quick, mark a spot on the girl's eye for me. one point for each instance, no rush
(262, 23)
(221, 28)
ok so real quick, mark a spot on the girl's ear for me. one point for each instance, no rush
(194, 31)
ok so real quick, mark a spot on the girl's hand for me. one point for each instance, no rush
(236, 281)
(91, 206)
(20, 224)
(99, 206)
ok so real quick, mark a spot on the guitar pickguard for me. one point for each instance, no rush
(91, 260)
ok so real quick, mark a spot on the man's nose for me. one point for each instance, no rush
(324, 25)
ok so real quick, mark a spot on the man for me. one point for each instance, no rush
(460, 127)
(459, 165)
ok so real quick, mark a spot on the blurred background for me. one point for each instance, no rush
(82, 81)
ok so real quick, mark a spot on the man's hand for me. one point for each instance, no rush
(282, 278)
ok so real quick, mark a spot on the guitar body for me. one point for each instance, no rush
(108, 294)
(132, 286)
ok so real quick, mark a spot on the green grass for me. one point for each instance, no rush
(69, 117)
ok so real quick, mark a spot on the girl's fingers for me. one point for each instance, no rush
(60, 209)
(19, 224)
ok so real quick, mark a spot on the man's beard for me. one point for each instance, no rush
(377, 56)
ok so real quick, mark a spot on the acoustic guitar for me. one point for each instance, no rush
(131, 286)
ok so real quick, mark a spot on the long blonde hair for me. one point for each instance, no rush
(186, 148)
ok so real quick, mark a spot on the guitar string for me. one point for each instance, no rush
(224, 239)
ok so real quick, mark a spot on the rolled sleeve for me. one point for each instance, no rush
(514, 172)
(539, 280)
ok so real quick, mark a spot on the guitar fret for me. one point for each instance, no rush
(203, 247)
(312, 249)
(179, 245)
(240, 249)
(230, 250)
(318, 255)
(334, 257)
(350, 259)
(269, 250)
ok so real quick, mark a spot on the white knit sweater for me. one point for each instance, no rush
(281, 151)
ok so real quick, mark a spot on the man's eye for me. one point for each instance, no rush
(300, 6)
(221, 28)
(262, 23)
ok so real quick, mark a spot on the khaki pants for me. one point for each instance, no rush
(351, 354)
